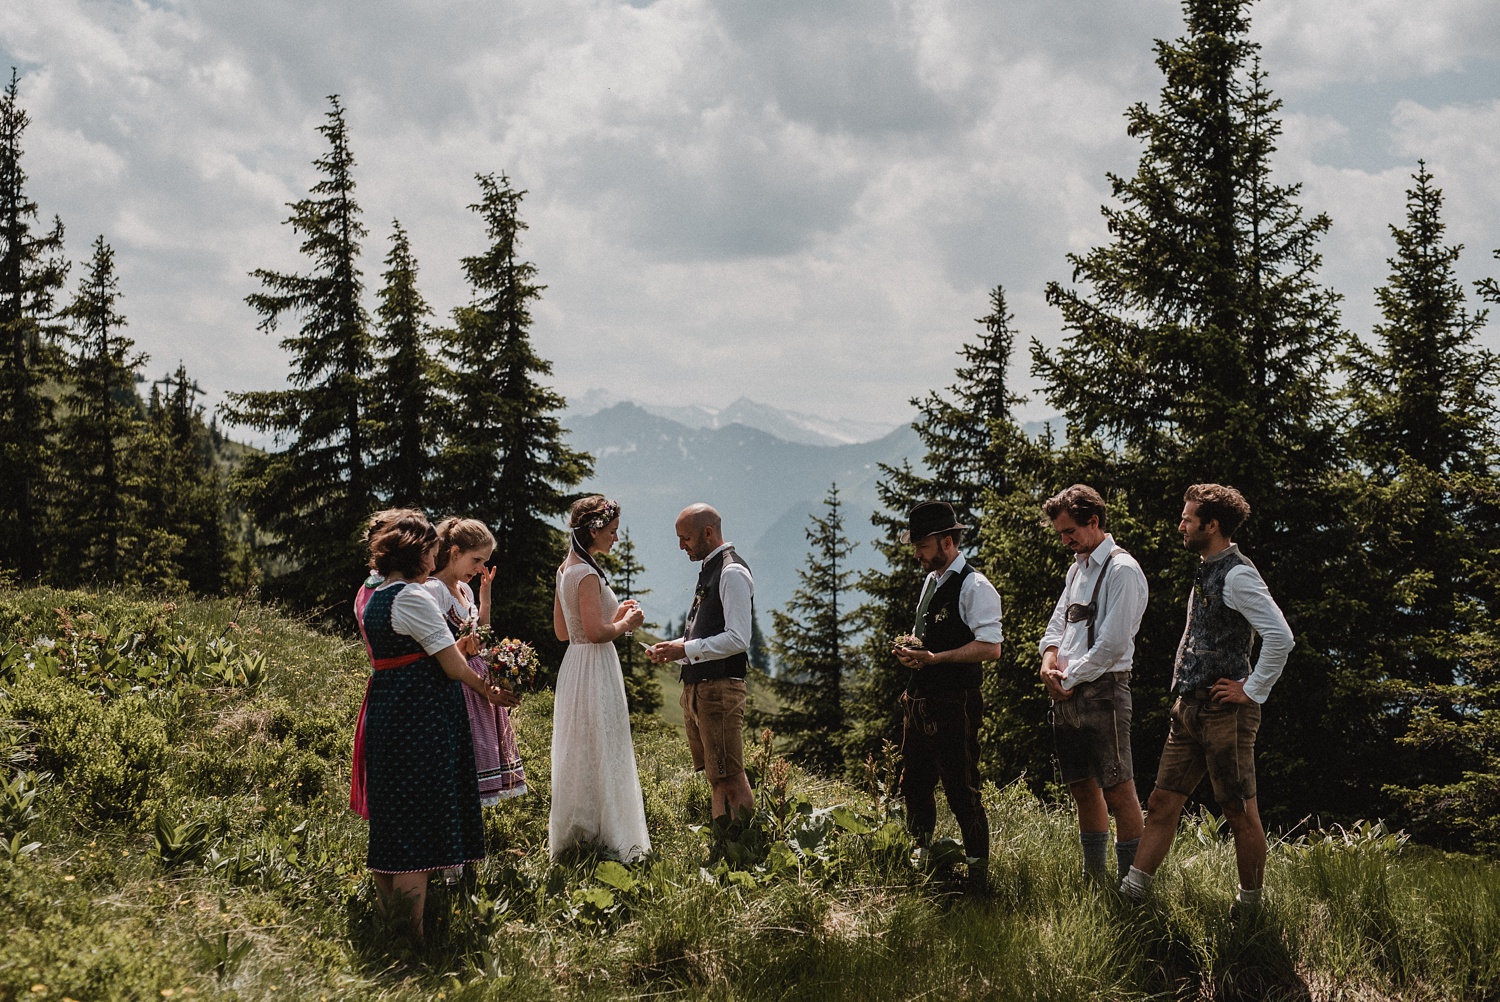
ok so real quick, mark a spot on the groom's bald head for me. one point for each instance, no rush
(699, 531)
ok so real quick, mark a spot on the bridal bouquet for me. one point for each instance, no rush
(908, 640)
(511, 664)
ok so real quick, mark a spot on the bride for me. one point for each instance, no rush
(596, 792)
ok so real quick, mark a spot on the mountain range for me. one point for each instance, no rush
(789, 426)
(764, 485)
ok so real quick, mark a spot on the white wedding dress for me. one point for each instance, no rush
(596, 791)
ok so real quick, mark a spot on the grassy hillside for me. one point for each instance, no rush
(176, 826)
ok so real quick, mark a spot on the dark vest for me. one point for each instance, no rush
(1217, 640)
(945, 630)
(706, 619)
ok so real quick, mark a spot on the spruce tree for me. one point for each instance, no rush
(100, 500)
(186, 506)
(1200, 350)
(1426, 497)
(968, 438)
(504, 459)
(32, 271)
(642, 690)
(403, 394)
(814, 644)
(313, 494)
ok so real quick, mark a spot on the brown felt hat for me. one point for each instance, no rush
(928, 519)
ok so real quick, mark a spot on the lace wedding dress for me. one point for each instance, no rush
(596, 791)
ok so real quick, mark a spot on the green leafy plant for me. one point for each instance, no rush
(178, 843)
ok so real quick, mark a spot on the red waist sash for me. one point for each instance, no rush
(358, 802)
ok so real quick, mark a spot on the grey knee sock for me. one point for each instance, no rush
(1125, 856)
(1095, 848)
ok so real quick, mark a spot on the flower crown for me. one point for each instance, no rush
(603, 516)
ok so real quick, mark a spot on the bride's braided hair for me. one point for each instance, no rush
(587, 516)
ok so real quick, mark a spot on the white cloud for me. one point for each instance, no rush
(803, 202)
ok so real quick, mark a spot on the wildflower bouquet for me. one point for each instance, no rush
(511, 664)
(907, 640)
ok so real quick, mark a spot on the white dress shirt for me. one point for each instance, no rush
(736, 591)
(1246, 593)
(978, 601)
(1122, 602)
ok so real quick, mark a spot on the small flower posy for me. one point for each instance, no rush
(604, 516)
(907, 640)
(511, 664)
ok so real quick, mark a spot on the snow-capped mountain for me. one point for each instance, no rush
(789, 426)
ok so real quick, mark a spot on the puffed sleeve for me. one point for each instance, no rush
(415, 613)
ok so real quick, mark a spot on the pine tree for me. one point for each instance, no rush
(1427, 499)
(185, 491)
(403, 394)
(504, 459)
(32, 271)
(314, 494)
(1200, 350)
(642, 690)
(814, 645)
(100, 503)
(968, 438)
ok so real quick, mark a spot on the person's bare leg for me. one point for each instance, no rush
(1249, 843)
(1125, 804)
(1162, 813)
(413, 887)
(1093, 813)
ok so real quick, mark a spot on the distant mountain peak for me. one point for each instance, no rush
(789, 426)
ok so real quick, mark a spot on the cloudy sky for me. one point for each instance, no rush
(801, 201)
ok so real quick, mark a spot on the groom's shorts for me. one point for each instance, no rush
(714, 714)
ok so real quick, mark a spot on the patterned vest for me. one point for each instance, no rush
(1217, 640)
(706, 619)
(945, 630)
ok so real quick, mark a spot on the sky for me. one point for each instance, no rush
(804, 202)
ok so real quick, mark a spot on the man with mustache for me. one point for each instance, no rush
(1087, 654)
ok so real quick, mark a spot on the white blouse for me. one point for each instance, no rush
(415, 613)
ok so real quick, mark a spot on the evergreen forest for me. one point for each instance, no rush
(1201, 345)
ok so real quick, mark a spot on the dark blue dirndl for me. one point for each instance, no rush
(419, 757)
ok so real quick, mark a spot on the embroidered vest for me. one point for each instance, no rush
(946, 631)
(1216, 641)
(706, 619)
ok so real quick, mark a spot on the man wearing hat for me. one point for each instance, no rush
(958, 622)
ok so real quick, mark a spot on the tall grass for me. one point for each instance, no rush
(195, 840)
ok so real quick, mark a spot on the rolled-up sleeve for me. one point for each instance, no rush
(736, 593)
(979, 608)
(415, 613)
(1246, 593)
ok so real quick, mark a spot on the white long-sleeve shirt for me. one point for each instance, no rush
(736, 593)
(1122, 602)
(1246, 593)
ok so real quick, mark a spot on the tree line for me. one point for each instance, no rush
(1202, 346)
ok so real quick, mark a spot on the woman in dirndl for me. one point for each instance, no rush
(414, 774)
(465, 546)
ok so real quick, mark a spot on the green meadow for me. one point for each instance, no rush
(175, 825)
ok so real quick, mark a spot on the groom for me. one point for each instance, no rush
(714, 659)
